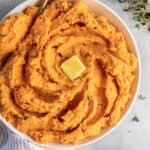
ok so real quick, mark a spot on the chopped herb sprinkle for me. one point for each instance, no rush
(140, 10)
(141, 97)
(88, 54)
(42, 6)
(89, 100)
(137, 26)
(121, 1)
(26, 117)
(135, 119)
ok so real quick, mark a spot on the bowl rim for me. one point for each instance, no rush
(133, 100)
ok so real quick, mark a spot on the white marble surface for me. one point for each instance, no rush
(129, 135)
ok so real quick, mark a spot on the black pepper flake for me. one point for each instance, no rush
(126, 9)
(89, 100)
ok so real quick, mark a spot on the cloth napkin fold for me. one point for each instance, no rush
(16, 143)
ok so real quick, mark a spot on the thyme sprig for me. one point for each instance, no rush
(140, 10)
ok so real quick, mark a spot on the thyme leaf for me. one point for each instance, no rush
(89, 100)
(135, 119)
(140, 10)
(141, 97)
(26, 117)
(88, 54)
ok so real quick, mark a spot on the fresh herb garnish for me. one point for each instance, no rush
(26, 117)
(3, 35)
(88, 54)
(141, 97)
(126, 9)
(140, 10)
(42, 6)
(137, 26)
(135, 119)
(89, 100)
(121, 1)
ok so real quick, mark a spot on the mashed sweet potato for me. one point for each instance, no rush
(35, 94)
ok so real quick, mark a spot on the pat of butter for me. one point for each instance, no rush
(73, 67)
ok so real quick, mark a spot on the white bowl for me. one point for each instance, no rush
(99, 9)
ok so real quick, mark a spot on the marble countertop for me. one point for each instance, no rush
(129, 135)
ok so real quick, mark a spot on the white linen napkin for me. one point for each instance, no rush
(16, 143)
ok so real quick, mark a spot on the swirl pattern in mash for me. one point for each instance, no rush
(37, 97)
